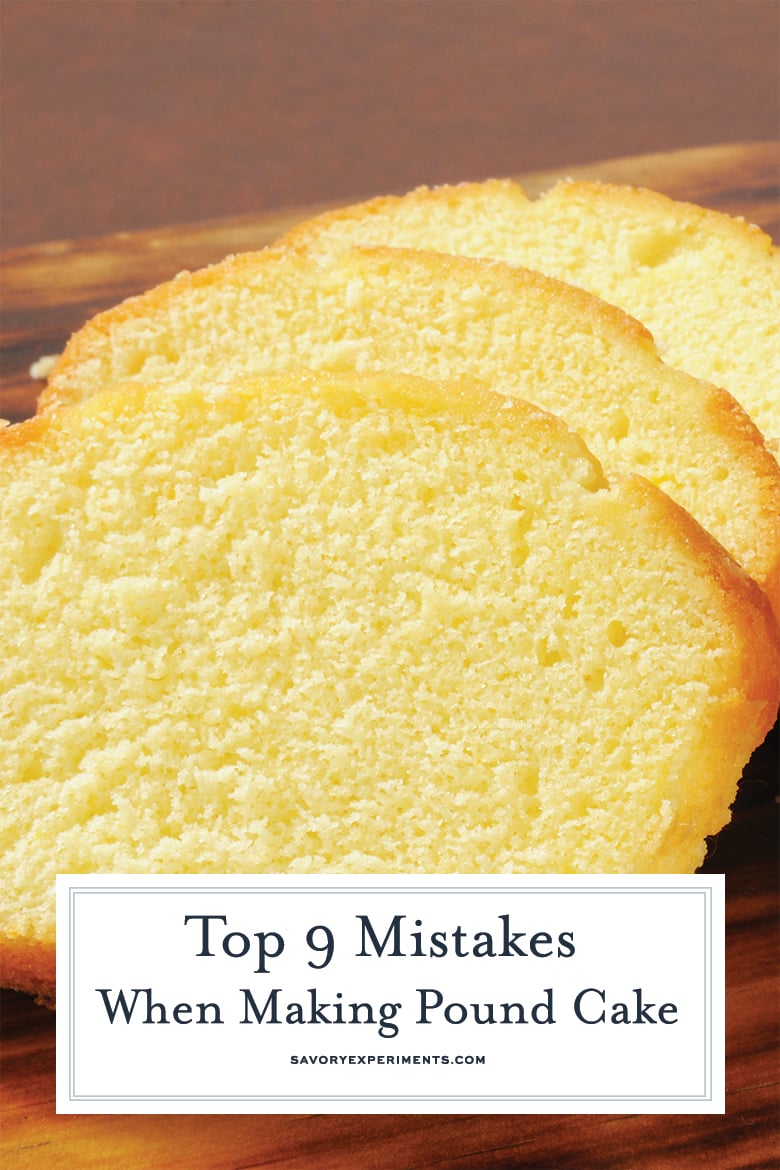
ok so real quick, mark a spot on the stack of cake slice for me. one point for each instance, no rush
(334, 558)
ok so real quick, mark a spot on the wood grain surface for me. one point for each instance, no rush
(48, 291)
(129, 114)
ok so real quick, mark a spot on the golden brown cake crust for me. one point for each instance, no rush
(574, 190)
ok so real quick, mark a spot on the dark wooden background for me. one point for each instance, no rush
(122, 116)
(127, 114)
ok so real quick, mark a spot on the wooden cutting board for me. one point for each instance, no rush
(49, 290)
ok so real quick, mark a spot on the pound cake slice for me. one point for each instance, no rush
(437, 317)
(354, 624)
(706, 285)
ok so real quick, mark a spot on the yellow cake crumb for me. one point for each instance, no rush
(315, 623)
